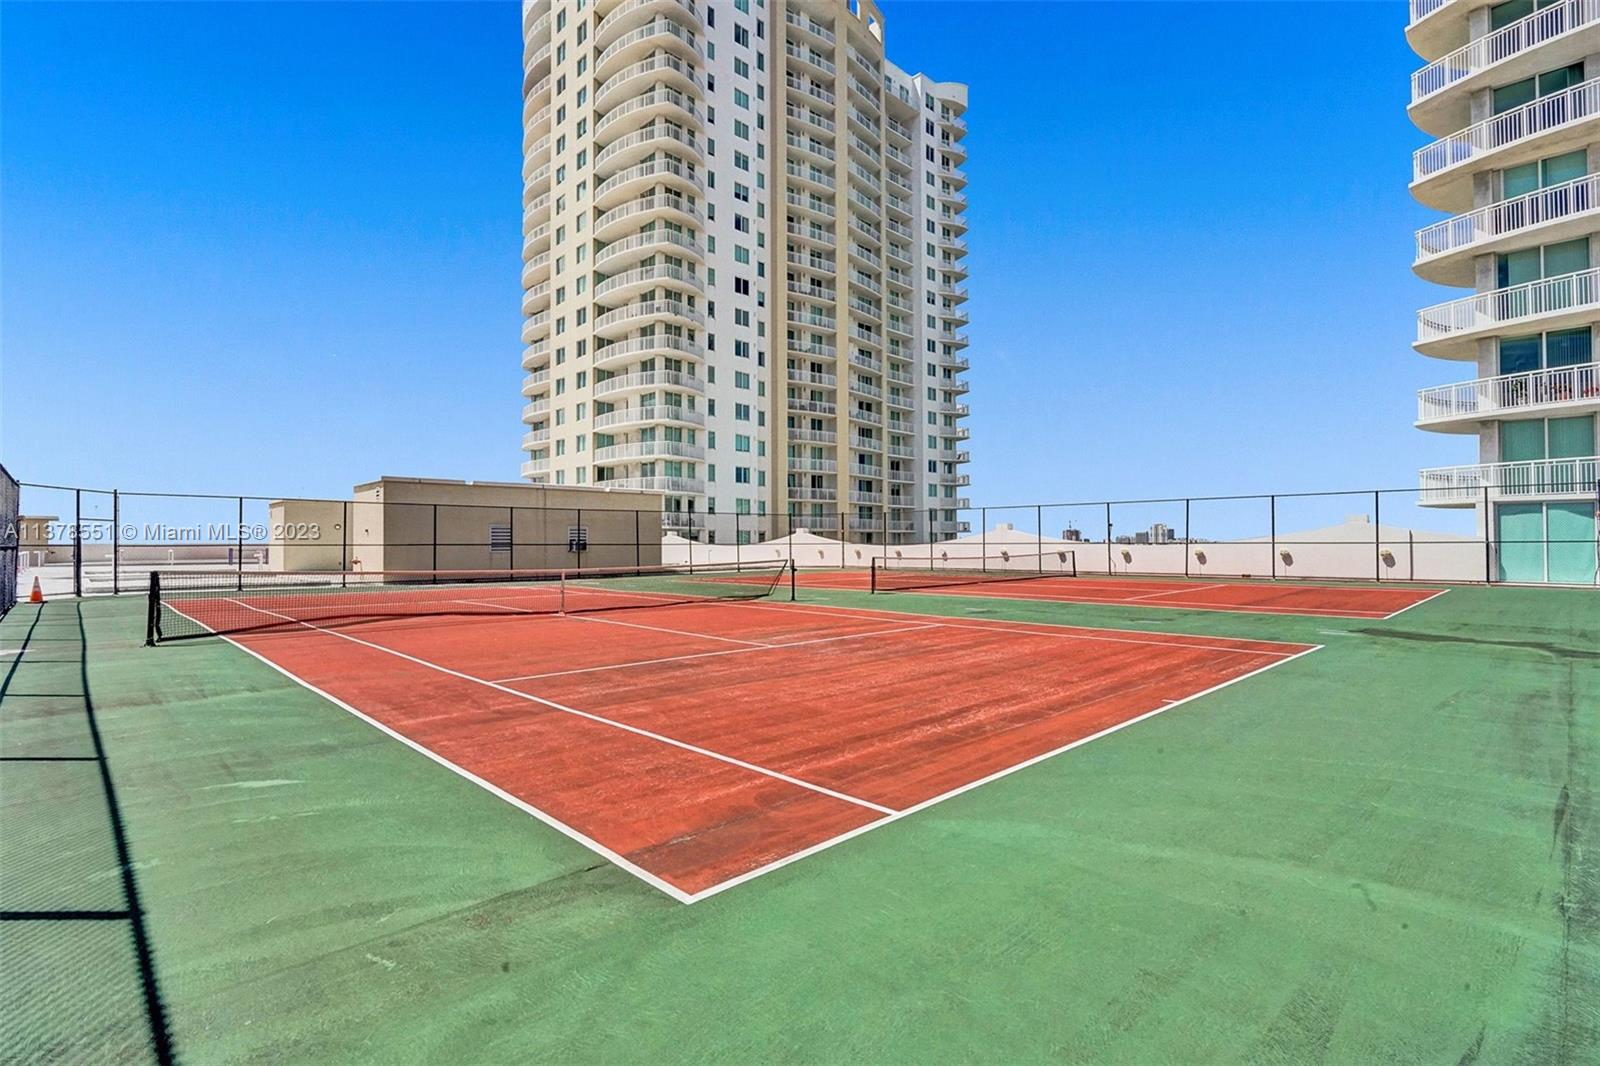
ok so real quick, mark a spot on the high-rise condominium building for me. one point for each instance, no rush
(744, 234)
(1512, 92)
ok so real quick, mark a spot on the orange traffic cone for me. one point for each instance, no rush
(37, 595)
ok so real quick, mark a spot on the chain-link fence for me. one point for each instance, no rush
(91, 541)
(10, 501)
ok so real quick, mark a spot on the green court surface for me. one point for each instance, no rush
(1388, 850)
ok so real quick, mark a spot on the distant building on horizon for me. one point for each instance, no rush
(744, 242)
(1511, 91)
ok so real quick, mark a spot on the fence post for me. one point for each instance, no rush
(1488, 554)
(77, 542)
(738, 528)
(435, 539)
(1187, 541)
(885, 544)
(1272, 527)
(1038, 533)
(1377, 535)
(983, 539)
(511, 527)
(841, 541)
(239, 537)
(344, 543)
(116, 540)
(583, 538)
(638, 549)
(1109, 570)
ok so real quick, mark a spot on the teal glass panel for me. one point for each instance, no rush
(1571, 529)
(1566, 257)
(1521, 441)
(1514, 95)
(1571, 437)
(1554, 81)
(1568, 347)
(1519, 534)
(1505, 14)
(1519, 181)
(1519, 266)
(1560, 168)
(1518, 355)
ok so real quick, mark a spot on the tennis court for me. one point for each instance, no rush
(699, 729)
(1053, 578)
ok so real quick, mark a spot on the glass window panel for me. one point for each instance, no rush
(1566, 257)
(1521, 441)
(1514, 95)
(1519, 266)
(1554, 81)
(1568, 347)
(1571, 437)
(1518, 181)
(1560, 168)
(1518, 355)
(1507, 13)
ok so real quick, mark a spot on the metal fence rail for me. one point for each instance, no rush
(84, 541)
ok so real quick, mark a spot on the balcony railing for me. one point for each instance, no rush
(1567, 200)
(1508, 306)
(1421, 9)
(1534, 479)
(1489, 397)
(1540, 116)
(648, 449)
(1543, 25)
(676, 485)
(660, 413)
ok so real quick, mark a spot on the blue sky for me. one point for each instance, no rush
(275, 248)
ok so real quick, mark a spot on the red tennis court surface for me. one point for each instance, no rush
(699, 745)
(1251, 597)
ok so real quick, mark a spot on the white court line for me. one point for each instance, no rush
(712, 654)
(778, 864)
(1419, 603)
(1173, 592)
(1006, 625)
(674, 632)
(602, 720)
(1303, 612)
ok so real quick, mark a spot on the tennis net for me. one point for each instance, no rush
(193, 604)
(891, 574)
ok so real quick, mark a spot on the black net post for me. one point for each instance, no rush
(1108, 539)
(1377, 536)
(1272, 535)
(152, 620)
(77, 542)
(239, 534)
(116, 539)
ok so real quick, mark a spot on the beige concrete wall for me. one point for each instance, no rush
(306, 535)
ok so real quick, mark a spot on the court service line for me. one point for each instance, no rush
(618, 860)
(600, 719)
(1303, 612)
(1005, 625)
(915, 808)
(712, 654)
(1171, 592)
(674, 632)
(1419, 603)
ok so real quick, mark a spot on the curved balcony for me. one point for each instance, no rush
(535, 355)
(1446, 250)
(536, 326)
(537, 124)
(649, 381)
(676, 486)
(634, 147)
(1539, 479)
(630, 14)
(1441, 92)
(648, 449)
(535, 270)
(536, 240)
(1436, 26)
(535, 438)
(535, 65)
(536, 468)
(619, 287)
(1557, 391)
(661, 102)
(1451, 330)
(536, 156)
(626, 184)
(536, 299)
(661, 33)
(641, 416)
(536, 185)
(954, 175)
(630, 317)
(537, 384)
(627, 251)
(659, 69)
(1442, 171)
(656, 207)
(624, 353)
(535, 411)
(536, 23)
(535, 102)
